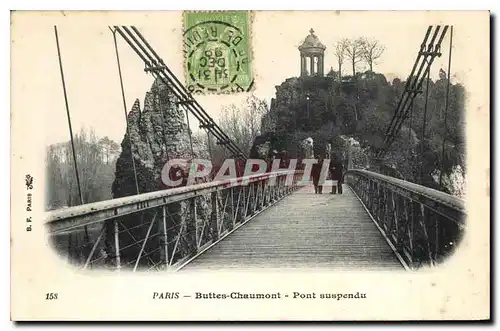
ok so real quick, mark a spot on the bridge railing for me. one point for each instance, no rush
(422, 224)
(164, 229)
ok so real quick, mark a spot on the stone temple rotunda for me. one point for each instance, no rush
(312, 53)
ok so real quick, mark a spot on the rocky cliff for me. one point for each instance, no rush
(156, 133)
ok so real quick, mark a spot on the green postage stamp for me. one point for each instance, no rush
(217, 51)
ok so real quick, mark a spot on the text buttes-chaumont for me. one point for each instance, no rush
(278, 295)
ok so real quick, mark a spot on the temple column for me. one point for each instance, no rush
(312, 66)
(318, 66)
(321, 66)
(302, 64)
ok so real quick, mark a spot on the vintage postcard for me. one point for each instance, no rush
(250, 165)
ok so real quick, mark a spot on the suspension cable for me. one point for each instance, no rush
(408, 81)
(87, 236)
(420, 79)
(401, 113)
(125, 110)
(412, 81)
(446, 110)
(164, 73)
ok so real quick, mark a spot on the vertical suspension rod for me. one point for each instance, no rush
(69, 117)
(80, 194)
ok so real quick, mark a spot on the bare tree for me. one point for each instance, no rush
(255, 109)
(372, 50)
(96, 164)
(242, 124)
(354, 52)
(340, 53)
(110, 150)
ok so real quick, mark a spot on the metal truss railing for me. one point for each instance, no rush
(164, 229)
(423, 225)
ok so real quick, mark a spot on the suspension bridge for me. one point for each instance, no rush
(268, 220)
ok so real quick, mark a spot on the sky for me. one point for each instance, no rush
(90, 67)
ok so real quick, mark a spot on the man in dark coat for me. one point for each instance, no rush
(316, 174)
(336, 174)
(284, 159)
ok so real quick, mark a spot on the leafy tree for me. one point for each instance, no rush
(334, 74)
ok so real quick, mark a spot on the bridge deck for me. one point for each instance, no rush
(304, 230)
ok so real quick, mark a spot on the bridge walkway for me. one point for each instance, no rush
(304, 230)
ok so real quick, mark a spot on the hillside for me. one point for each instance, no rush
(361, 108)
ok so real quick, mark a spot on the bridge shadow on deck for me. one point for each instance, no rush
(304, 230)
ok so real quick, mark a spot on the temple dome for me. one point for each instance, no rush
(312, 43)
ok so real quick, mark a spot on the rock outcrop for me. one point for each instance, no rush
(156, 133)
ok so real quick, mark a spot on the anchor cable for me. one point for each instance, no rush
(164, 73)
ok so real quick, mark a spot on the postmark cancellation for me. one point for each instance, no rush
(217, 50)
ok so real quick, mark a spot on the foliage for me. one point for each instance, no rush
(361, 107)
(95, 161)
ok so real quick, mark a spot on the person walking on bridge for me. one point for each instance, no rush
(336, 174)
(316, 174)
